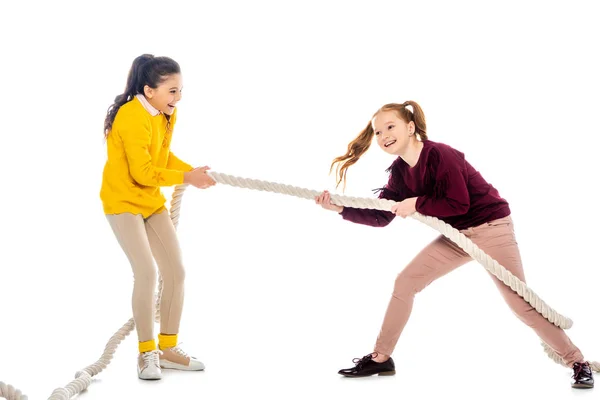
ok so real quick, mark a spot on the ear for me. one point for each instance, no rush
(148, 91)
(411, 128)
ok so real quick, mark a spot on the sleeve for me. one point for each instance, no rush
(136, 140)
(450, 195)
(173, 162)
(370, 217)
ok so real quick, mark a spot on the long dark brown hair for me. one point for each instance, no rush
(145, 70)
(362, 142)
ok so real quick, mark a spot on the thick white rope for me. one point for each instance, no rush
(451, 233)
(10, 392)
(83, 378)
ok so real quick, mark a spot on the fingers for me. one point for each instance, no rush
(204, 180)
(319, 198)
(323, 199)
(396, 209)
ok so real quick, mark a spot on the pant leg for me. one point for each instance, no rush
(498, 240)
(439, 258)
(167, 253)
(131, 234)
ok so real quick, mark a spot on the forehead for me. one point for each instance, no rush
(383, 117)
(173, 80)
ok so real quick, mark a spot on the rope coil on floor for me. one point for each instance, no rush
(83, 377)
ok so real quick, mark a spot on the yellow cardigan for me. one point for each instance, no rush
(139, 160)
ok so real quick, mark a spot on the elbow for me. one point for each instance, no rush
(381, 223)
(139, 177)
(461, 208)
(384, 220)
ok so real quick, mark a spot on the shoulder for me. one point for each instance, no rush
(436, 152)
(131, 112)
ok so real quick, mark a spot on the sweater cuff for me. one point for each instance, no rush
(181, 176)
(419, 203)
(175, 177)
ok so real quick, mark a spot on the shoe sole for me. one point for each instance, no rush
(582, 386)
(150, 379)
(171, 365)
(385, 373)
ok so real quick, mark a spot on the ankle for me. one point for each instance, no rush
(166, 340)
(380, 358)
(149, 345)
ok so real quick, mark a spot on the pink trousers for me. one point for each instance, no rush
(497, 239)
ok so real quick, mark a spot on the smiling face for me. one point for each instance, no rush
(166, 95)
(392, 133)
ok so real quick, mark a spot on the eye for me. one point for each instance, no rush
(390, 127)
(173, 91)
(377, 133)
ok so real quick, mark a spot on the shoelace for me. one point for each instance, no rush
(150, 357)
(179, 351)
(360, 362)
(580, 369)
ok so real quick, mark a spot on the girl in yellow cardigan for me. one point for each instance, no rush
(138, 128)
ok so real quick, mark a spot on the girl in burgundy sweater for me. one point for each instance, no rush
(436, 180)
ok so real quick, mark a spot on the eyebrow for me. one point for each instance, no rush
(175, 87)
(389, 122)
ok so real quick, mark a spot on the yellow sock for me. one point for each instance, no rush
(165, 341)
(148, 345)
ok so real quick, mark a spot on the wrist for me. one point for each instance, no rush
(416, 201)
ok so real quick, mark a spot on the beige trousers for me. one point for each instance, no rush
(144, 241)
(496, 238)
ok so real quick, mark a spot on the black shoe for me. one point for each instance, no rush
(582, 376)
(366, 366)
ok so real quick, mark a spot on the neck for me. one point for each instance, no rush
(411, 153)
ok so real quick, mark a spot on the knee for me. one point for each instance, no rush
(145, 276)
(405, 286)
(529, 316)
(524, 311)
(179, 275)
(176, 274)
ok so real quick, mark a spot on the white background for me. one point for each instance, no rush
(281, 294)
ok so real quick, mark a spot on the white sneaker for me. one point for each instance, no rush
(148, 365)
(176, 358)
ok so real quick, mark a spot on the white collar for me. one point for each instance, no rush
(153, 111)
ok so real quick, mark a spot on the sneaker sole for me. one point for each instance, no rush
(150, 378)
(171, 365)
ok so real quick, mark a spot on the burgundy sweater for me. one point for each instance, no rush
(446, 186)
